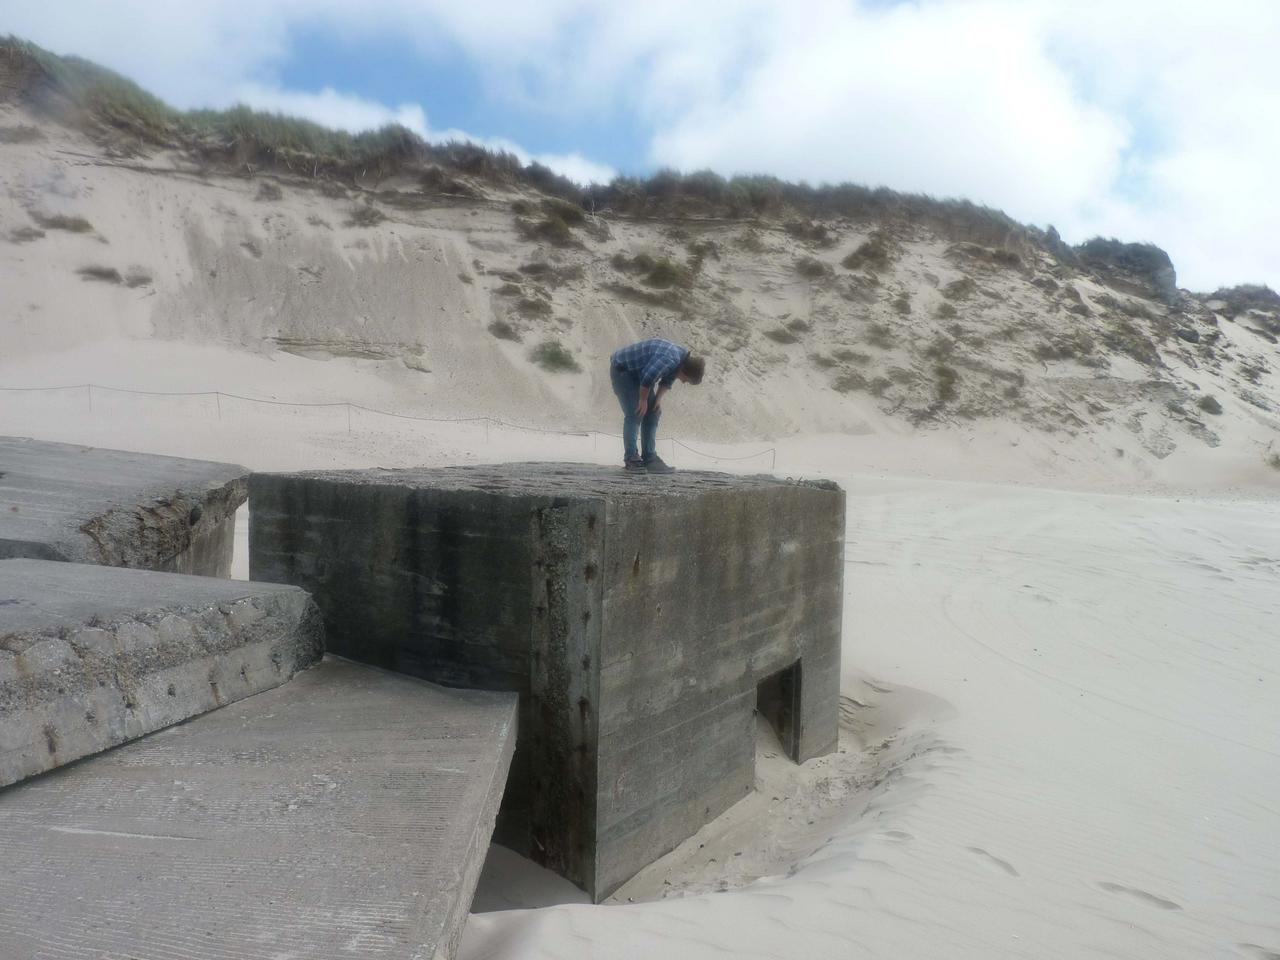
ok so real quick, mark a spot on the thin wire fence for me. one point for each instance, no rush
(218, 396)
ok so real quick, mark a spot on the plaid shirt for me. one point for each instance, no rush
(653, 361)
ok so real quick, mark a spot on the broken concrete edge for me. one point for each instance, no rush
(83, 504)
(75, 689)
(478, 846)
(164, 533)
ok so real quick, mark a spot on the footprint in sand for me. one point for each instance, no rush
(1148, 898)
(1004, 865)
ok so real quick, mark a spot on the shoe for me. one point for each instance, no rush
(655, 464)
(633, 466)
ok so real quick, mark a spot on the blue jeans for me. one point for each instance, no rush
(626, 386)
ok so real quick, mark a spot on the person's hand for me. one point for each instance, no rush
(657, 404)
(642, 407)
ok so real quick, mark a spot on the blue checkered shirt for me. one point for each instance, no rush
(653, 361)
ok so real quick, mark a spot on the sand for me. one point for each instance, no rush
(1059, 726)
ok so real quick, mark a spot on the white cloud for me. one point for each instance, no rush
(1142, 119)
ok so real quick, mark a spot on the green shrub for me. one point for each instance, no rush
(665, 274)
(822, 362)
(572, 214)
(849, 381)
(1274, 460)
(1209, 405)
(878, 386)
(781, 335)
(552, 356)
(940, 348)
(136, 278)
(961, 289)
(25, 234)
(947, 378)
(269, 191)
(811, 268)
(102, 274)
(550, 228)
(59, 222)
(365, 216)
(504, 331)
(22, 133)
(1248, 296)
(879, 335)
(902, 304)
(809, 232)
(874, 253)
(532, 307)
(946, 311)
(703, 249)
(845, 355)
(521, 208)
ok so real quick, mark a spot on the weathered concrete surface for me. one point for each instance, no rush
(60, 501)
(636, 616)
(91, 657)
(344, 814)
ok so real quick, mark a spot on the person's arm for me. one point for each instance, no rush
(658, 370)
(662, 390)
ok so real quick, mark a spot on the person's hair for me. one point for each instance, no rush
(693, 367)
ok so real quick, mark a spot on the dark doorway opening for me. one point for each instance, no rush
(778, 699)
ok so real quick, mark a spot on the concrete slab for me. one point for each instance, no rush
(91, 657)
(344, 814)
(61, 501)
(642, 619)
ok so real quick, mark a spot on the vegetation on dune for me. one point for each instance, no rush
(874, 253)
(22, 133)
(58, 221)
(100, 273)
(812, 268)
(504, 331)
(1143, 259)
(83, 94)
(551, 355)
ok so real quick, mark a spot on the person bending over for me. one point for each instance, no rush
(642, 373)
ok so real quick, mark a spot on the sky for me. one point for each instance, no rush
(1147, 120)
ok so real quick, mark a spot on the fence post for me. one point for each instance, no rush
(217, 399)
(348, 418)
(88, 388)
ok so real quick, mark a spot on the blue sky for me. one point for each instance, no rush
(390, 69)
(1139, 119)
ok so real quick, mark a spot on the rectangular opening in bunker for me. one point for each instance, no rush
(778, 699)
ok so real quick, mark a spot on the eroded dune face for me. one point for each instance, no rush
(494, 302)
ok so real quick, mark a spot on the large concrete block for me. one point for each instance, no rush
(642, 620)
(91, 657)
(345, 814)
(60, 501)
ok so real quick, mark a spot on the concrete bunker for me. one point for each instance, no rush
(642, 621)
